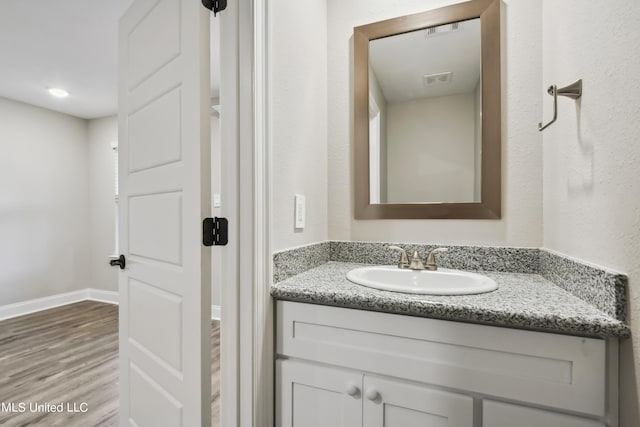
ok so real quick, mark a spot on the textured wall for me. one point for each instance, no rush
(522, 152)
(298, 118)
(44, 208)
(592, 153)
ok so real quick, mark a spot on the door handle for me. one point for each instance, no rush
(118, 261)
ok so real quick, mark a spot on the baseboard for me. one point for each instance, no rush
(91, 294)
(110, 297)
(215, 312)
(39, 304)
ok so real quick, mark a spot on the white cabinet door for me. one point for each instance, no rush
(310, 395)
(392, 403)
(165, 303)
(497, 414)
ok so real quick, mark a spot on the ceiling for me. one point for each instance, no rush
(400, 62)
(71, 44)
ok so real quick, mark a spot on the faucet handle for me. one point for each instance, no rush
(404, 259)
(430, 263)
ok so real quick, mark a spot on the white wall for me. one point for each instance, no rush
(44, 203)
(592, 153)
(522, 180)
(102, 207)
(298, 118)
(430, 149)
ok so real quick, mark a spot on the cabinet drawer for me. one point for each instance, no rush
(497, 414)
(541, 368)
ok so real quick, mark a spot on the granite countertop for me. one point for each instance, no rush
(523, 301)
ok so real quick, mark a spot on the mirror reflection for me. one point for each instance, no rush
(425, 115)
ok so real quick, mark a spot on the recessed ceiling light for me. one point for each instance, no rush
(58, 93)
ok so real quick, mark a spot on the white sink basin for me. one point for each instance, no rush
(440, 282)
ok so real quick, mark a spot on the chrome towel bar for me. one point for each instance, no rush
(574, 91)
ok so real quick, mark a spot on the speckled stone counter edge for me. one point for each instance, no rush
(604, 289)
(297, 260)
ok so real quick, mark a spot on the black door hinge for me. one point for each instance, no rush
(215, 231)
(215, 5)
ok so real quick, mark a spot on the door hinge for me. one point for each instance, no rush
(215, 5)
(215, 231)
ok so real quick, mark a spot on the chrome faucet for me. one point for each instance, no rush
(430, 263)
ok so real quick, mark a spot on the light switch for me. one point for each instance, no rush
(216, 200)
(299, 210)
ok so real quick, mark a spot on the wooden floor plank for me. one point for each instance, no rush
(70, 354)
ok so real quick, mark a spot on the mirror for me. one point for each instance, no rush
(427, 114)
(424, 115)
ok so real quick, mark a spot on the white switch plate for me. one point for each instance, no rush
(216, 200)
(299, 210)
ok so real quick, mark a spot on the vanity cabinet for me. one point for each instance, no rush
(346, 367)
(313, 395)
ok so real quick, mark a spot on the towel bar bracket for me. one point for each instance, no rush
(573, 91)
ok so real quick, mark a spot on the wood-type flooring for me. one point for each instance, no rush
(69, 355)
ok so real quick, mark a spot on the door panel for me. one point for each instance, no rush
(150, 406)
(394, 403)
(157, 236)
(158, 144)
(164, 194)
(317, 396)
(162, 337)
(153, 40)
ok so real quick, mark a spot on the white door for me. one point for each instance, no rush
(165, 290)
(311, 395)
(392, 403)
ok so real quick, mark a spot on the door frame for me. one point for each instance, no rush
(263, 322)
(247, 373)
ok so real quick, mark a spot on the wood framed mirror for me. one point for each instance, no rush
(427, 123)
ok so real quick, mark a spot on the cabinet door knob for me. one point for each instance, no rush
(372, 394)
(352, 390)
